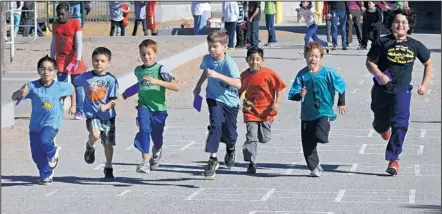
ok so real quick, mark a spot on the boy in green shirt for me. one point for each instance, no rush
(153, 80)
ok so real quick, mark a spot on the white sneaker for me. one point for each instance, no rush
(317, 172)
(144, 167)
(53, 162)
(48, 180)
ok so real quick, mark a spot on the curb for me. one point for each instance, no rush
(8, 114)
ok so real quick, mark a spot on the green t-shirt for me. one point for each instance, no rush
(151, 96)
(270, 7)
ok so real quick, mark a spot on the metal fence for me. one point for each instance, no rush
(99, 9)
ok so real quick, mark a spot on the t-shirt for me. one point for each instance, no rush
(252, 7)
(338, 5)
(217, 89)
(65, 36)
(308, 16)
(270, 7)
(153, 96)
(140, 9)
(398, 58)
(260, 88)
(47, 109)
(321, 87)
(99, 90)
(116, 10)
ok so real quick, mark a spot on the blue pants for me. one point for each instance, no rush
(270, 25)
(231, 27)
(200, 23)
(253, 28)
(342, 17)
(222, 125)
(76, 11)
(151, 124)
(63, 77)
(43, 148)
(391, 111)
(311, 33)
(17, 18)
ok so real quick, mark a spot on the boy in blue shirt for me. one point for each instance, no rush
(99, 103)
(46, 116)
(223, 82)
(315, 85)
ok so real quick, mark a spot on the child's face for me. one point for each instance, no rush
(371, 5)
(148, 55)
(255, 61)
(313, 58)
(305, 4)
(46, 71)
(101, 63)
(216, 49)
(62, 16)
(400, 25)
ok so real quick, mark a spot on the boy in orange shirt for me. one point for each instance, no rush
(261, 103)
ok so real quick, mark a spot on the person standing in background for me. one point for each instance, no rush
(230, 17)
(150, 19)
(355, 9)
(270, 13)
(140, 16)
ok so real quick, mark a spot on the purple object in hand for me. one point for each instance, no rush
(135, 88)
(198, 102)
(378, 79)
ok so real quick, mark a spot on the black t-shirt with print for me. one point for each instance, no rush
(398, 58)
(252, 6)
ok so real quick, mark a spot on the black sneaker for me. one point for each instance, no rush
(108, 173)
(344, 48)
(89, 154)
(212, 166)
(252, 168)
(229, 159)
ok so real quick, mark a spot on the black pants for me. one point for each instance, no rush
(143, 23)
(355, 22)
(239, 36)
(115, 24)
(370, 32)
(231, 28)
(312, 133)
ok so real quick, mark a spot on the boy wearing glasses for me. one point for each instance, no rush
(46, 116)
(315, 87)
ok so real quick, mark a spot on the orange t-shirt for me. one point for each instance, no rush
(260, 88)
(65, 47)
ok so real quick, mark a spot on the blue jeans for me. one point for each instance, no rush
(17, 18)
(63, 77)
(270, 25)
(151, 125)
(342, 17)
(231, 27)
(253, 28)
(43, 148)
(311, 33)
(76, 11)
(200, 23)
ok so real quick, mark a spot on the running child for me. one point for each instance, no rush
(99, 107)
(67, 49)
(46, 116)
(153, 80)
(309, 17)
(390, 60)
(261, 103)
(315, 87)
(223, 81)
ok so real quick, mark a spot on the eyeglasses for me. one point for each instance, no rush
(400, 22)
(41, 70)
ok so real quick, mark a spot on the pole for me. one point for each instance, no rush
(3, 8)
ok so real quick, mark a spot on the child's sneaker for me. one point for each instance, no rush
(317, 172)
(156, 158)
(229, 159)
(53, 162)
(252, 168)
(89, 154)
(48, 180)
(393, 167)
(210, 169)
(78, 116)
(143, 167)
(108, 173)
(386, 135)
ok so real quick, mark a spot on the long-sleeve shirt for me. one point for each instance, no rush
(230, 11)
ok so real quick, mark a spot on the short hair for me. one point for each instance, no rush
(411, 18)
(254, 50)
(309, 6)
(217, 36)
(46, 59)
(149, 43)
(63, 6)
(103, 51)
(313, 45)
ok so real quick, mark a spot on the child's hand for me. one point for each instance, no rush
(342, 109)
(103, 107)
(247, 105)
(213, 74)
(275, 107)
(422, 90)
(72, 110)
(24, 91)
(151, 80)
(303, 91)
(384, 79)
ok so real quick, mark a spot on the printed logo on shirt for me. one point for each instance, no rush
(400, 54)
(97, 90)
(47, 105)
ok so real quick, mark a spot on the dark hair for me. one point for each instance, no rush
(255, 50)
(149, 43)
(102, 50)
(310, 5)
(46, 59)
(63, 6)
(411, 18)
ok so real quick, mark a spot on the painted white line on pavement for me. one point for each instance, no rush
(289, 171)
(423, 132)
(361, 82)
(354, 167)
(362, 150)
(417, 170)
(412, 197)
(370, 134)
(188, 145)
(268, 194)
(51, 193)
(101, 166)
(194, 194)
(420, 151)
(340, 195)
(124, 192)
(354, 90)
(130, 147)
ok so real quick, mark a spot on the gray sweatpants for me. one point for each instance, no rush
(256, 132)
